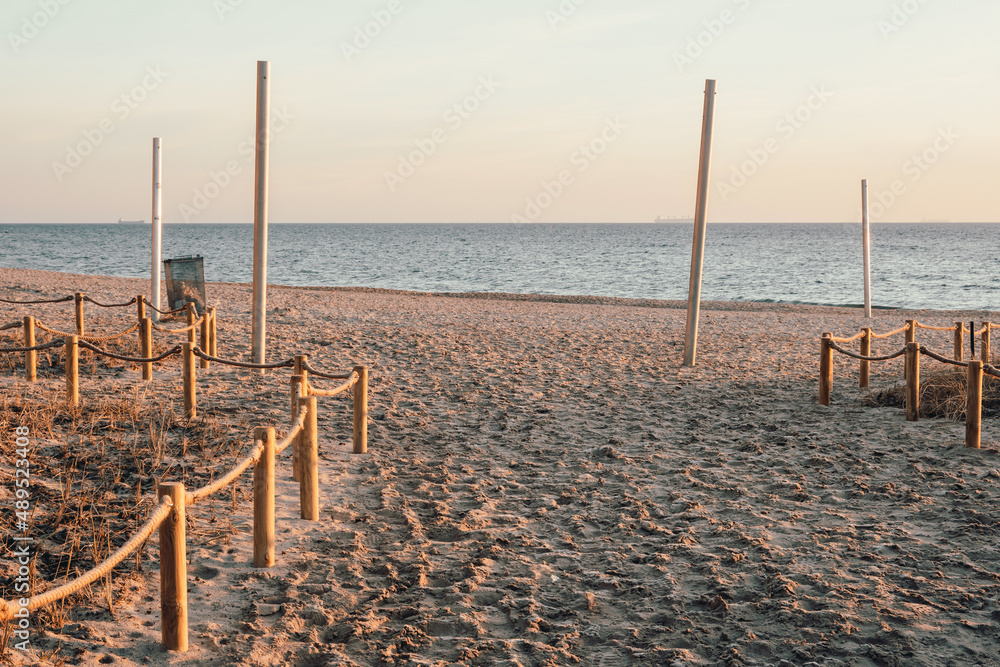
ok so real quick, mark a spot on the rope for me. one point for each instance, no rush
(892, 333)
(943, 360)
(849, 340)
(192, 497)
(110, 305)
(991, 370)
(924, 326)
(863, 358)
(297, 427)
(34, 348)
(8, 607)
(65, 298)
(176, 349)
(92, 339)
(326, 376)
(189, 327)
(339, 390)
(240, 364)
(162, 312)
(982, 331)
(12, 325)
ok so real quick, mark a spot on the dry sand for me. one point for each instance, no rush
(546, 485)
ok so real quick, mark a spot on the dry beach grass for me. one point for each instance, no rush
(545, 485)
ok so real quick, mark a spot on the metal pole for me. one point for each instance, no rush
(157, 227)
(258, 327)
(698, 247)
(866, 246)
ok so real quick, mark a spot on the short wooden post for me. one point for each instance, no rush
(205, 335)
(912, 382)
(361, 410)
(984, 343)
(911, 337)
(866, 351)
(263, 501)
(297, 442)
(309, 484)
(146, 347)
(214, 331)
(140, 307)
(78, 300)
(31, 356)
(301, 361)
(825, 369)
(173, 570)
(73, 371)
(190, 411)
(959, 347)
(974, 406)
(191, 318)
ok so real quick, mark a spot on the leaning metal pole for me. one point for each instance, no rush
(698, 247)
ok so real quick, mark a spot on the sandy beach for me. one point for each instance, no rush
(546, 485)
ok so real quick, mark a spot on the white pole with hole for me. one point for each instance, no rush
(866, 246)
(258, 327)
(700, 216)
(154, 292)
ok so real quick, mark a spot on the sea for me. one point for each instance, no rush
(942, 266)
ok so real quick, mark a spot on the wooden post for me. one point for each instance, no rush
(309, 456)
(866, 351)
(984, 343)
(911, 337)
(959, 340)
(700, 225)
(301, 360)
(361, 410)
(297, 442)
(73, 371)
(258, 324)
(825, 369)
(912, 382)
(31, 356)
(263, 501)
(140, 307)
(146, 347)
(192, 316)
(173, 570)
(206, 328)
(78, 300)
(190, 411)
(215, 347)
(974, 406)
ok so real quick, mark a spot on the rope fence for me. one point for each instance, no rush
(912, 351)
(168, 515)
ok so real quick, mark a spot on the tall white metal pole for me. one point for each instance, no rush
(258, 327)
(700, 217)
(154, 273)
(866, 247)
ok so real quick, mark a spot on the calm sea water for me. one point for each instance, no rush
(940, 266)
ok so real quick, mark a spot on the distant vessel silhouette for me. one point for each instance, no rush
(123, 221)
(673, 219)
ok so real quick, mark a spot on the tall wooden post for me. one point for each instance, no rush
(192, 317)
(259, 324)
(297, 385)
(190, 411)
(31, 356)
(215, 333)
(866, 248)
(974, 406)
(78, 302)
(700, 218)
(984, 343)
(825, 369)
(206, 333)
(157, 242)
(361, 410)
(173, 570)
(959, 341)
(72, 371)
(912, 382)
(866, 351)
(309, 484)
(146, 347)
(263, 501)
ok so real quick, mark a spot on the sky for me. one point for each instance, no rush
(501, 110)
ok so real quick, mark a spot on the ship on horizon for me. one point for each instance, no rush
(123, 221)
(673, 219)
